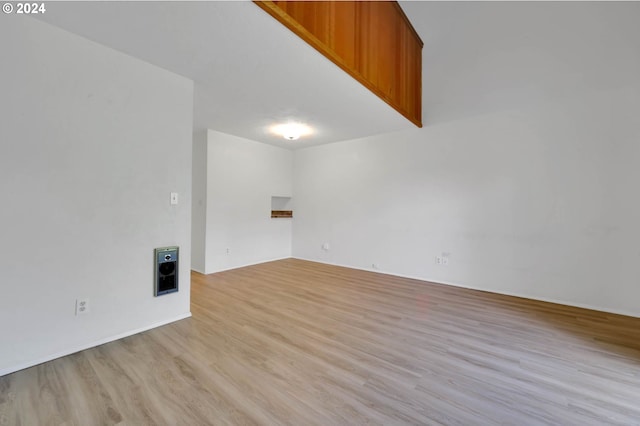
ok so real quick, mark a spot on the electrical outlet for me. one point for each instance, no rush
(374, 266)
(438, 260)
(445, 260)
(82, 306)
(228, 250)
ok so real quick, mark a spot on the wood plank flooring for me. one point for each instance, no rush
(301, 343)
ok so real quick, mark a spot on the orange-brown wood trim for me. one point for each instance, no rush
(281, 213)
(408, 23)
(284, 18)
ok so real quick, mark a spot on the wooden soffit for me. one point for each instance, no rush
(373, 41)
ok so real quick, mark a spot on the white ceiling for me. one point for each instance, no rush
(249, 71)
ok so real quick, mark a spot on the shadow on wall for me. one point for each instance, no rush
(483, 58)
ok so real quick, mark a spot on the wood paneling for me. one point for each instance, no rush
(302, 343)
(373, 41)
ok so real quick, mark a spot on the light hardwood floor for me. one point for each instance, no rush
(301, 343)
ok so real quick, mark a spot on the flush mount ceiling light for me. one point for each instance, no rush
(291, 131)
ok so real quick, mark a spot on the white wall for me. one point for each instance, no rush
(526, 171)
(93, 142)
(242, 176)
(199, 203)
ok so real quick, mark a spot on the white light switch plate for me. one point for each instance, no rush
(174, 198)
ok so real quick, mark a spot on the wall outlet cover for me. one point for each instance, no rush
(82, 306)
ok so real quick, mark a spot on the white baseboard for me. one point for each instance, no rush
(521, 295)
(244, 265)
(83, 347)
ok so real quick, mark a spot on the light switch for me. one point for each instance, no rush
(174, 198)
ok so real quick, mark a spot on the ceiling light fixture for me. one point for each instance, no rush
(291, 131)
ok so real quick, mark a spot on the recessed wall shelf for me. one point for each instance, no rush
(281, 213)
(281, 207)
